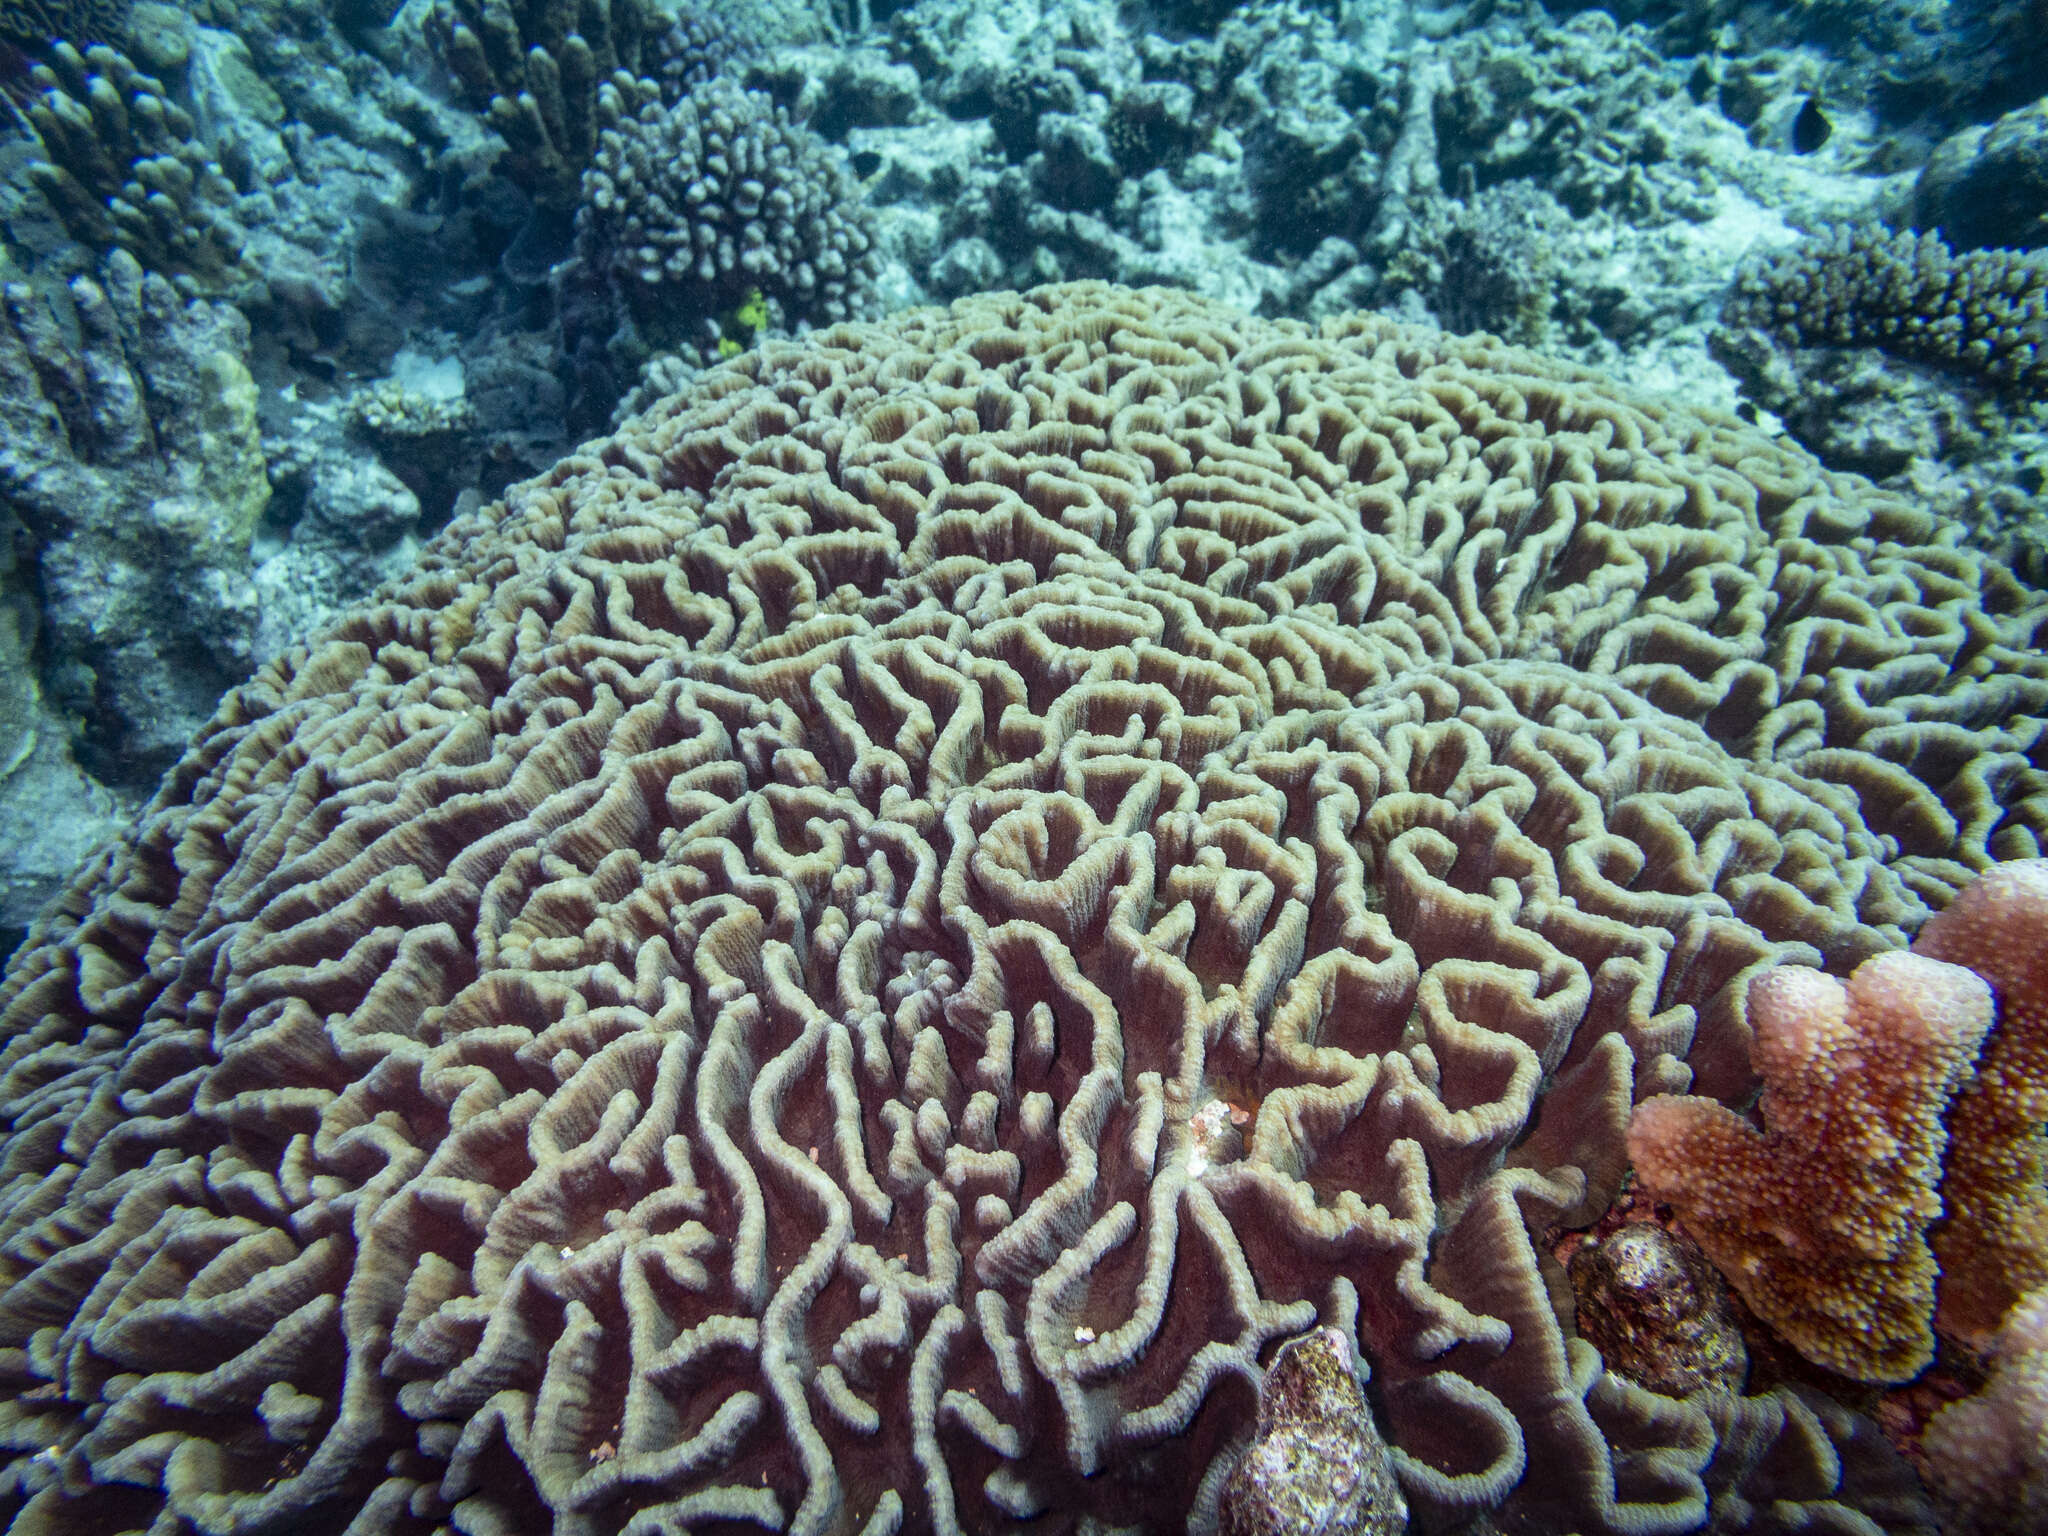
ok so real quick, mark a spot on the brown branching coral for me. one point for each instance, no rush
(492, 46)
(860, 954)
(539, 71)
(124, 168)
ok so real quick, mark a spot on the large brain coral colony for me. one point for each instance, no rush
(861, 954)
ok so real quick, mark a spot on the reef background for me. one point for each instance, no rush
(423, 281)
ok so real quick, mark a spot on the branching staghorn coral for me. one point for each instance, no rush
(1977, 312)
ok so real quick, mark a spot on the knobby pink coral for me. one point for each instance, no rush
(1993, 1246)
(1819, 1219)
(1988, 1454)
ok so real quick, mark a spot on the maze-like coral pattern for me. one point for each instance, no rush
(859, 954)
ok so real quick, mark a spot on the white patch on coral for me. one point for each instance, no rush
(421, 373)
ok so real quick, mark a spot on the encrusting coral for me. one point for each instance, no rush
(388, 409)
(859, 955)
(1317, 1466)
(1819, 1220)
(1657, 1311)
(130, 456)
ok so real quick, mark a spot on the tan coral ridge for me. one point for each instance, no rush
(1885, 1107)
(859, 955)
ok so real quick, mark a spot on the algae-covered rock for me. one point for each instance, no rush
(1317, 1466)
(129, 453)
